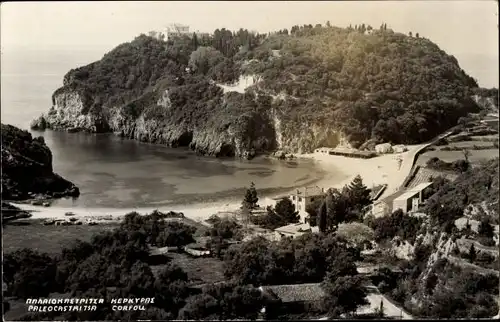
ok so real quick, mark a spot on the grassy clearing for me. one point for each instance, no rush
(49, 239)
(475, 157)
(468, 144)
(200, 270)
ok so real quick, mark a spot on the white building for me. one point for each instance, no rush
(323, 150)
(383, 148)
(400, 148)
(293, 230)
(176, 30)
(305, 196)
(408, 201)
(411, 200)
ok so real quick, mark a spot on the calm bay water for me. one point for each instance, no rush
(113, 172)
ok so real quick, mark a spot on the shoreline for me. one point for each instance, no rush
(197, 211)
(382, 169)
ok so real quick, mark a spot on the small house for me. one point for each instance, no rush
(294, 230)
(198, 248)
(411, 200)
(407, 202)
(196, 252)
(352, 153)
(400, 148)
(293, 298)
(384, 206)
(159, 255)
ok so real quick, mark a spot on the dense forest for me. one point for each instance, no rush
(314, 86)
(117, 264)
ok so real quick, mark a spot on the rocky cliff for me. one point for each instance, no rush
(27, 168)
(238, 94)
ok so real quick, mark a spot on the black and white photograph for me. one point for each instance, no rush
(249, 160)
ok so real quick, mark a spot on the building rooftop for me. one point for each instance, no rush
(155, 251)
(420, 186)
(352, 152)
(377, 191)
(407, 195)
(295, 228)
(389, 199)
(309, 192)
(295, 292)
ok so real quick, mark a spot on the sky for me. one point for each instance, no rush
(466, 29)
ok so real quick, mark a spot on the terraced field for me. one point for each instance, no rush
(425, 174)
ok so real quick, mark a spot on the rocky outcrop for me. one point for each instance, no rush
(27, 168)
(70, 112)
(243, 138)
(10, 213)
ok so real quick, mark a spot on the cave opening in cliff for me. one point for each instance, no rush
(226, 150)
(185, 139)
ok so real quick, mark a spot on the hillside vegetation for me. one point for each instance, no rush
(310, 87)
(440, 279)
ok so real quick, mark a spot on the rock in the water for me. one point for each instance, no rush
(39, 124)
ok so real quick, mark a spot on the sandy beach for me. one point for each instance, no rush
(383, 169)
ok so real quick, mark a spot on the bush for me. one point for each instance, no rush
(397, 224)
(175, 234)
(459, 166)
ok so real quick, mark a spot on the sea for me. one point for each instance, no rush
(112, 172)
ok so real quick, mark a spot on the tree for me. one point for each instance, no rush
(202, 306)
(343, 265)
(175, 234)
(195, 41)
(226, 228)
(139, 281)
(463, 121)
(286, 209)
(251, 199)
(344, 295)
(358, 194)
(313, 210)
(485, 229)
(171, 288)
(204, 58)
(155, 232)
(338, 207)
(247, 263)
(472, 253)
(29, 273)
(322, 218)
(224, 302)
(466, 154)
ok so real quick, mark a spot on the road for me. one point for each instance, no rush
(409, 161)
(390, 308)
